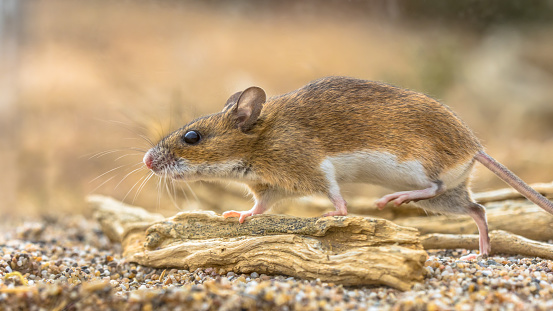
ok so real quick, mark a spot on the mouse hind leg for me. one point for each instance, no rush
(478, 213)
(435, 189)
(459, 201)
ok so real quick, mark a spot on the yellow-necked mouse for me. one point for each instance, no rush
(336, 130)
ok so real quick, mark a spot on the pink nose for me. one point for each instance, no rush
(148, 159)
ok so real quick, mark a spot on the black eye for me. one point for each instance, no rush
(191, 137)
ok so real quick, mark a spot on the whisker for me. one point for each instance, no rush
(112, 177)
(132, 138)
(142, 138)
(113, 169)
(147, 139)
(192, 191)
(111, 151)
(135, 129)
(174, 190)
(184, 193)
(142, 186)
(171, 197)
(126, 126)
(136, 183)
(128, 155)
(160, 133)
(171, 105)
(102, 153)
(139, 150)
(158, 187)
(131, 172)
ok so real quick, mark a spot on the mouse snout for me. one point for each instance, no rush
(148, 159)
(160, 161)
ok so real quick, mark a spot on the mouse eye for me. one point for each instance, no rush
(191, 137)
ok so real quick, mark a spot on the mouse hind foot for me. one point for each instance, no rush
(401, 197)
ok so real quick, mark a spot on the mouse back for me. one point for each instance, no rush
(346, 115)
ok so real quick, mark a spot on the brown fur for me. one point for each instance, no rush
(281, 147)
(329, 116)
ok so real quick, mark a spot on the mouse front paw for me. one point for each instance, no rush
(241, 215)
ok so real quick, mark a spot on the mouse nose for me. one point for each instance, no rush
(148, 159)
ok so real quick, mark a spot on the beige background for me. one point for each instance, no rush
(87, 79)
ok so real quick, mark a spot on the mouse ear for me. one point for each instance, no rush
(231, 101)
(248, 107)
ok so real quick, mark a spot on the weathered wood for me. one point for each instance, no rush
(116, 217)
(343, 250)
(509, 193)
(518, 217)
(502, 242)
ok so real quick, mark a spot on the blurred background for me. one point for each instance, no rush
(83, 82)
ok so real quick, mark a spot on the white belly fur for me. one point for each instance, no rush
(379, 168)
(383, 168)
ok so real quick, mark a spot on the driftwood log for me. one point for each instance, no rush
(345, 250)
(502, 242)
(518, 217)
(342, 250)
(509, 193)
(116, 217)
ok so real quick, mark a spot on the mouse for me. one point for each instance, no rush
(332, 131)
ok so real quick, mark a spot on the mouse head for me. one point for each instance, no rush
(214, 146)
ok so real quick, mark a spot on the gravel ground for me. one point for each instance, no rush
(69, 264)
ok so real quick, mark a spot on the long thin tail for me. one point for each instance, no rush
(514, 181)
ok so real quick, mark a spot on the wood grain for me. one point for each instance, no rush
(342, 250)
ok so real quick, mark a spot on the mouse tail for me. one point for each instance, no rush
(514, 181)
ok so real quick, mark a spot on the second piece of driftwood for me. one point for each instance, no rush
(502, 242)
(518, 217)
(509, 193)
(342, 250)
